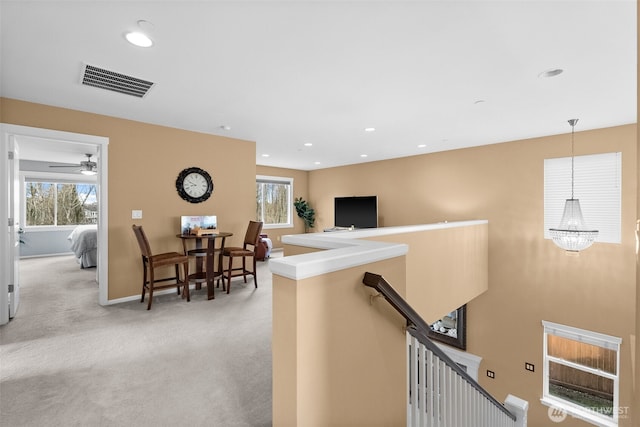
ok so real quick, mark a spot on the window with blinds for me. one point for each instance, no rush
(597, 184)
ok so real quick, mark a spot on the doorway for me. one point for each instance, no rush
(51, 143)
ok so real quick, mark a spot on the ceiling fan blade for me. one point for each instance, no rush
(86, 167)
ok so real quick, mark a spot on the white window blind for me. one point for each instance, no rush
(597, 184)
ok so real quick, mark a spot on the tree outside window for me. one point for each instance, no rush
(59, 204)
(273, 201)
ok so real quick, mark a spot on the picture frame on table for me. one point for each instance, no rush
(189, 223)
(451, 329)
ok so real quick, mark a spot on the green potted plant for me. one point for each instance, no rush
(306, 212)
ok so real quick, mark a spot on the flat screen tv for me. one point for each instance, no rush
(356, 211)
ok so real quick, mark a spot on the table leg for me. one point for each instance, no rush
(211, 273)
(220, 271)
(198, 262)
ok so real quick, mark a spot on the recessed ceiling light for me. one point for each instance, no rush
(369, 129)
(265, 155)
(316, 163)
(550, 73)
(308, 144)
(363, 155)
(224, 127)
(479, 101)
(422, 145)
(139, 39)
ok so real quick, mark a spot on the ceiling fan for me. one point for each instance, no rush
(87, 167)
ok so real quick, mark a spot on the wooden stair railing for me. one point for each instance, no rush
(418, 328)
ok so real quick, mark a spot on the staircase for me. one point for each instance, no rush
(440, 392)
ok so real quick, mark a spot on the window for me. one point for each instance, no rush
(597, 180)
(273, 201)
(59, 203)
(581, 373)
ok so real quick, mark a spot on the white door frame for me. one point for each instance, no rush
(14, 201)
(102, 143)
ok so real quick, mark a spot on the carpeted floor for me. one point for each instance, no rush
(66, 361)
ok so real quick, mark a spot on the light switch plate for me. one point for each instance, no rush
(136, 214)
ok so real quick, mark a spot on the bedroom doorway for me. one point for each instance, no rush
(50, 144)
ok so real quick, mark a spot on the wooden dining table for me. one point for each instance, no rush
(206, 270)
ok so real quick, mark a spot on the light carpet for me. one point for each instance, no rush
(67, 361)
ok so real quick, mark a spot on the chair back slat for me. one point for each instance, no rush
(253, 233)
(142, 240)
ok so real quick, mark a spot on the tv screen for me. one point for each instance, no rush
(358, 212)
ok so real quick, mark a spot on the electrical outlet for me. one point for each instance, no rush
(136, 214)
(491, 374)
(529, 367)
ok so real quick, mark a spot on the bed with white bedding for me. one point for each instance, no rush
(84, 244)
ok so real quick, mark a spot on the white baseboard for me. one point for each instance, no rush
(137, 297)
(46, 255)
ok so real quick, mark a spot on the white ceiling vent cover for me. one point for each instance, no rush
(110, 80)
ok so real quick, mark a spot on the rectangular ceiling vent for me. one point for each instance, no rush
(110, 80)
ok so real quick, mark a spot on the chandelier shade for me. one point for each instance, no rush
(573, 234)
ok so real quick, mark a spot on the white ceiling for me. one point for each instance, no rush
(54, 151)
(445, 73)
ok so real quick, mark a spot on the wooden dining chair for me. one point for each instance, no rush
(151, 262)
(248, 250)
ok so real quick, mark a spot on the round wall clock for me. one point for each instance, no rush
(194, 185)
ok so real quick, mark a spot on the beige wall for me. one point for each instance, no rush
(438, 258)
(300, 189)
(355, 339)
(144, 161)
(530, 279)
(636, 365)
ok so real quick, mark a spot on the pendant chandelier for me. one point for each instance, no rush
(572, 234)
